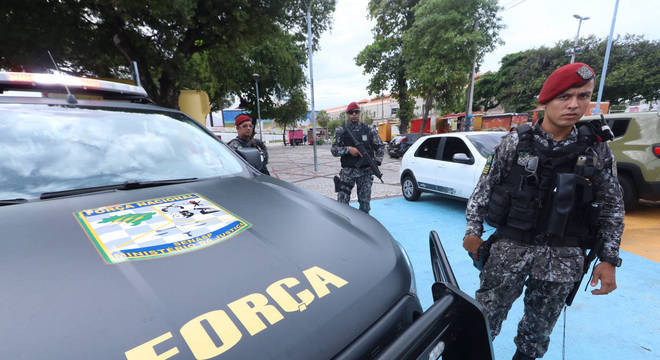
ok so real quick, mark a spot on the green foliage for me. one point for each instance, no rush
(322, 119)
(214, 46)
(631, 73)
(485, 90)
(333, 125)
(366, 117)
(290, 111)
(442, 44)
(383, 59)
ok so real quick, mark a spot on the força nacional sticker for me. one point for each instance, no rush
(158, 227)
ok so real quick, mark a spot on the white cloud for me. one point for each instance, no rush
(529, 24)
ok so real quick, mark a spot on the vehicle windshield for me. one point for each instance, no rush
(485, 143)
(47, 148)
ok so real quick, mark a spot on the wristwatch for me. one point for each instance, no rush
(616, 261)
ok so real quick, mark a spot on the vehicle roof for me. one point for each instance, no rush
(123, 104)
(46, 82)
(624, 115)
(467, 133)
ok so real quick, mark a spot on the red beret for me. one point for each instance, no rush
(352, 106)
(566, 77)
(241, 119)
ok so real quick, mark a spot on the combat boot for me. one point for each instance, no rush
(520, 356)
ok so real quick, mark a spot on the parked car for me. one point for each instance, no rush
(448, 164)
(401, 143)
(132, 232)
(636, 148)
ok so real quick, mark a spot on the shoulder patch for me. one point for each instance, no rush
(489, 161)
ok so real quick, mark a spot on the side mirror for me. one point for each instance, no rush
(462, 159)
(252, 156)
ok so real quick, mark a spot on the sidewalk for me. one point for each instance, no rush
(295, 164)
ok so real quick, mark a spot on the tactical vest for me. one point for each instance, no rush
(548, 197)
(363, 132)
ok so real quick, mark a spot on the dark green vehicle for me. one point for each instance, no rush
(636, 148)
(131, 232)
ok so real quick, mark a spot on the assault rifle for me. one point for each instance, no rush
(365, 155)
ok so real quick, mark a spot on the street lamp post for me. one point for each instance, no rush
(468, 123)
(577, 35)
(261, 125)
(311, 77)
(596, 110)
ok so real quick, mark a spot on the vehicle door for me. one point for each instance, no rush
(425, 164)
(456, 164)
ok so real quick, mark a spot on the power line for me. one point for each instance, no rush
(514, 5)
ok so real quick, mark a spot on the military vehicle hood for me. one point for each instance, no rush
(196, 270)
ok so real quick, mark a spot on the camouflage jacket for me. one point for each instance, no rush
(608, 193)
(340, 149)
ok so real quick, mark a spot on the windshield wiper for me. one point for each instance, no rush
(12, 201)
(127, 185)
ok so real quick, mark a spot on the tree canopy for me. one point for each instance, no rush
(426, 48)
(383, 59)
(446, 38)
(214, 46)
(631, 73)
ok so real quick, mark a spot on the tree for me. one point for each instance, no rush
(293, 109)
(443, 42)
(366, 117)
(210, 45)
(485, 90)
(322, 119)
(383, 58)
(632, 72)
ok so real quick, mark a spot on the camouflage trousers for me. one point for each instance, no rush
(502, 281)
(363, 178)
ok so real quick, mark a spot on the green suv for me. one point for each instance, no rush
(636, 147)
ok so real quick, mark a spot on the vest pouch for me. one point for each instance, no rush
(563, 203)
(498, 206)
(592, 213)
(523, 212)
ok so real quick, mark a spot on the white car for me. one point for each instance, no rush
(449, 164)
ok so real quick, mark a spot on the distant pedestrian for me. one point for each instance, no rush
(551, 192)
(245, 139)
(353, 171)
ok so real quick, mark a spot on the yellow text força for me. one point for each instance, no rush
(250, 310)
(199, 341)
(287, 302)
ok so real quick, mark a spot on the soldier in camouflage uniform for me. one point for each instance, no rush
(529, 253)
(353, 171)
(245, 139)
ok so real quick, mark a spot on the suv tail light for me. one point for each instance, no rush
(656, 150)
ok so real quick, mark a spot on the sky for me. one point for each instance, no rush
(529, 24)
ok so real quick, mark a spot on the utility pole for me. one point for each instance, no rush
(596, 110)
(311, 77)
(261, 125)
(577, 35)
(467, 126)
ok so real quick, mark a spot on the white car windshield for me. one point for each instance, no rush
(485, 143)
(48, 148)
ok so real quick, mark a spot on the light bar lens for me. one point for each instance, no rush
(21, 77)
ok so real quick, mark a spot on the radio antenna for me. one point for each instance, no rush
(69, 97)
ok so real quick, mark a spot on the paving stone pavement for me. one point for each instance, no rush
(295, 164)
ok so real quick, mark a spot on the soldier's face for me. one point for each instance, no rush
(568, 107)
(354, 116)
(244, 130)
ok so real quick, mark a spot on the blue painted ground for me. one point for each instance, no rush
(622, 325)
